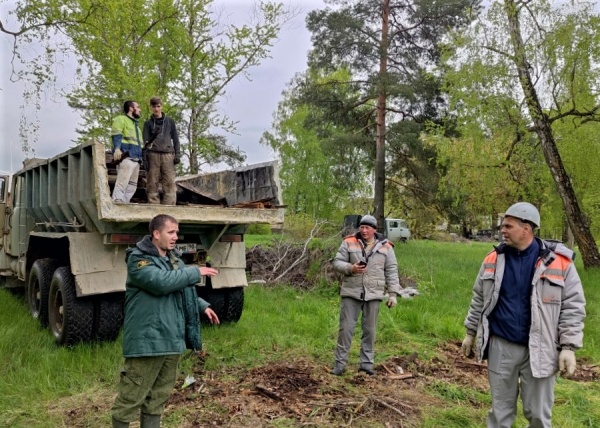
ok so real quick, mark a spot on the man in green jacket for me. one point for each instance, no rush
(161, 321)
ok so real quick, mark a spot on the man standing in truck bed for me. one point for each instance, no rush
(127, 151)
(162, 146)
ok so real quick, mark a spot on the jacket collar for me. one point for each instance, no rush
(549, 248)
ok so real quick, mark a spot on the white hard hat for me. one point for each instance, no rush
(524, 211)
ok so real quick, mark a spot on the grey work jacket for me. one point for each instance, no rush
(557, 305)
(381, 275)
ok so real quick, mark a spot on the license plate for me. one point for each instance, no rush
(186, 248)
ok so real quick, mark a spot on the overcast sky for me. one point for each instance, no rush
(250, 102)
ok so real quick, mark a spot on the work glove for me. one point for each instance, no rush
(467, 345)
(566, 361)
(117, 154)
(176, 159)
(392, 301)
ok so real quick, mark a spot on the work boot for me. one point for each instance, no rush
(149, 421)
(119, 424)
(337, 371)
(369, 372)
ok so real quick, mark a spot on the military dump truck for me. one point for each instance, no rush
(64, 240)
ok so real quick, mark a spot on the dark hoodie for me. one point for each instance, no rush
(162, 135)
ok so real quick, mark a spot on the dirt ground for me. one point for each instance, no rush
(302, 393)
(305, 394)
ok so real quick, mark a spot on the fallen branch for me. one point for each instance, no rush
(389, 406)
(387, 369)
(268, 393)
(400, 376)
(313, 232)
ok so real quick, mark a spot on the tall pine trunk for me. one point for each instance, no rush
(379, 196)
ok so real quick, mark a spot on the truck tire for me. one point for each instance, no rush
(235, 304)
(216, 298)
(70, 318)
(38, 288)
(228, 303)
(108, 316)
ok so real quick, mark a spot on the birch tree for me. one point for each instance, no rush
(521, 69)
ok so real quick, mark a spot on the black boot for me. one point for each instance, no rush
(149, 421)
(119, 424)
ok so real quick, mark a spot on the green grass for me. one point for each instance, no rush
(39, 381)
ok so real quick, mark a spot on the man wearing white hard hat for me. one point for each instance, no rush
(370, 270)
(526, 318)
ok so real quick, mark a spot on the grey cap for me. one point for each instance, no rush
(368, 220)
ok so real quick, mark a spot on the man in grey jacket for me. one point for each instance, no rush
(370, 267)
(527, 314)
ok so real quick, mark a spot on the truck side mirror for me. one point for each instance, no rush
(2, 189)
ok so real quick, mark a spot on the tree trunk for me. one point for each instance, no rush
(192, 143)
(379, 197)
(577, 221)
(567, 234)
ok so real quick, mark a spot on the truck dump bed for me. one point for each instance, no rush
(71, 192)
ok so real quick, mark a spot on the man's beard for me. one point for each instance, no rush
(135, 115)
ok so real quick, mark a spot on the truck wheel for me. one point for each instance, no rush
(108, 316)
(70, 318)
(216, 298)
(235, 304)
(228, 303)
(38, 288)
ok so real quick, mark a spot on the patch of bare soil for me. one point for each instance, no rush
(304, 393)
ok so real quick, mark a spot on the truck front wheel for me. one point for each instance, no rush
(70, 318)
(38, 288)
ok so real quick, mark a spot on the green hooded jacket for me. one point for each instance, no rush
(161, 305)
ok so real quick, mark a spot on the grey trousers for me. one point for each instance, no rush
(146, 384)
(349, 312)
(509, 370)
(127, 180)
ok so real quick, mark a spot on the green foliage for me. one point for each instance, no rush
(259, 229)
(327, 124)
(176, 49)
(320, 166)
(497, 158)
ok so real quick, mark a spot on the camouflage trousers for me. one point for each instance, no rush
(161, 169)
(146, 384)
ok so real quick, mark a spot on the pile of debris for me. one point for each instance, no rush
(292, 264)
(302, 267)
